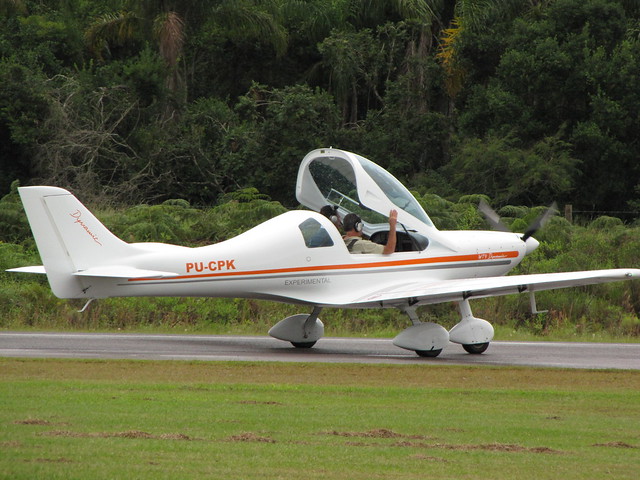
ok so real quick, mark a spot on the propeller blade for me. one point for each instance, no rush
(492, 217)
(539, 222)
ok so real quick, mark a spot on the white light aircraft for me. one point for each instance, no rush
(299, 257)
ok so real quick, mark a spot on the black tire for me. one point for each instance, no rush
(303, 344)
(428, 353)
(476, 348)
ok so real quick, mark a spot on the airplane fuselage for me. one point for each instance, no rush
(272, 262)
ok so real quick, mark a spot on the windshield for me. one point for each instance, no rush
(394, 190)
(357, 185)
(336, 179)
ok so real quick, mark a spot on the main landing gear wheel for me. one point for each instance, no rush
(303, 344)
(428, 353)
(476, 348)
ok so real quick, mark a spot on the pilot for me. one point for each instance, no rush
(331, 212)
(353, 225)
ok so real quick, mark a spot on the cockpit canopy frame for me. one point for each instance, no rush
(329, 176)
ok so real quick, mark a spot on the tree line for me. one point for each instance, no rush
(127, 101)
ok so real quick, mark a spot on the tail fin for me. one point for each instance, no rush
(69, 237)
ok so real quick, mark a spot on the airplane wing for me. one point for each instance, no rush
(462, 289)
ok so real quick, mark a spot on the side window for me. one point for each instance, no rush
(314, 234)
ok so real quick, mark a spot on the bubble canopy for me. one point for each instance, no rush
(356, 184)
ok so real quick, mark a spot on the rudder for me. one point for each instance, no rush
(69, 238)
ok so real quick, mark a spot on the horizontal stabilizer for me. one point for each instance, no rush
(120, 271)
(32, 269)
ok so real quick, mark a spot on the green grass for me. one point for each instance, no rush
(140, 419)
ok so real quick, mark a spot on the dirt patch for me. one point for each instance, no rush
(615, 445)
(408, 441)
(250, 437)
(32, 421)
(491, 447)
(129, 434)
(137, 434)
(175, 436)
(361, 444)
(428, 458)
(38, 422)
(67, 433)
(10, 444)
(53, 460)
(502, 447)
(376, 433)
(255, 402)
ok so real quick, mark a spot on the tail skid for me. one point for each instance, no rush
(70, 239)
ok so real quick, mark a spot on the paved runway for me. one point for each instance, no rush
(328, 350)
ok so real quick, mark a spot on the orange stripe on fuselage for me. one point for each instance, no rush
(350, 266)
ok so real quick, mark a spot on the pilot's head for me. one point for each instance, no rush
(352, 223)
(331, 212)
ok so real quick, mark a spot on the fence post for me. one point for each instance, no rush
(568, 213)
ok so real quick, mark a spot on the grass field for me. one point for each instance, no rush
(141, 419)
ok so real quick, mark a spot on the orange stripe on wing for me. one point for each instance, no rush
(350, 266)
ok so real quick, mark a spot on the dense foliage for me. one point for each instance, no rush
(129, 101)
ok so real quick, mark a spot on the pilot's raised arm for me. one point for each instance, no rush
(353, 226)
(390, 247)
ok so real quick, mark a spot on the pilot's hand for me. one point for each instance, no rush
(393, 218)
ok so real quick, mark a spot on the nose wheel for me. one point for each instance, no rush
(476, 348)
(303, 344)
(302, 330)
(427, 339)
(428, 353)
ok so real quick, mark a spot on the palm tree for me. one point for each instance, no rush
(141, 19)
(257, 20)
(423, 15)
(164, 23)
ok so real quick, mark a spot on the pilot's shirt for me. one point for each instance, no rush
(360, 245)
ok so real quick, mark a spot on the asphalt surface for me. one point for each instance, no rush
(327, 350)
